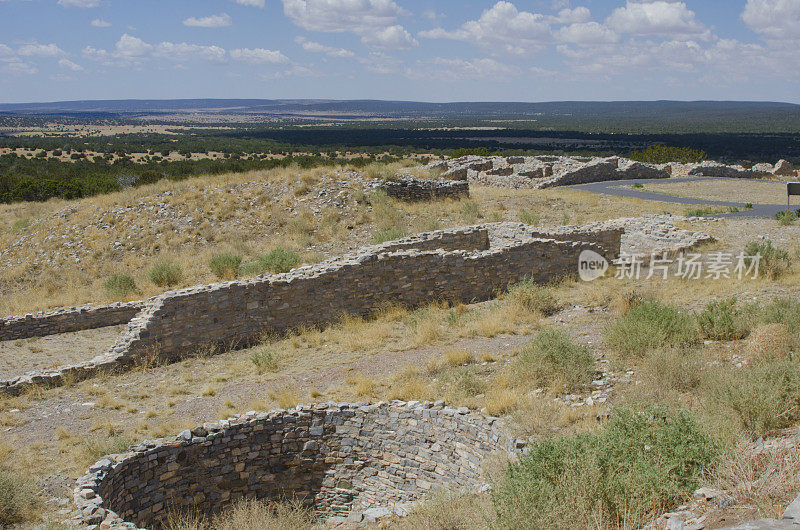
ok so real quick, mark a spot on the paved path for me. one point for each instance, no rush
(617, 188)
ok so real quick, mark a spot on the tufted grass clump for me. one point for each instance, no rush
(245, 515)
(18, 499)
(225, 266)
(761, 397)
(774, 260)
(96, 447)
(723, 320)
(387, 234)
(120, 286)
(278, 261)
(166, 274)
(553, 359)
(265, 360)
(533, 297)
(641, 463)
(650, 325)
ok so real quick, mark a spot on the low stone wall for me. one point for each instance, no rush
(339, 459)
(67, 320)
(413, 190)
(458, 265)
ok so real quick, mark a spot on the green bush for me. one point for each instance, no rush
(529, 217)
(640, 464)
(552, 358)
(18, 500)
(120, 285)
(387, 234)
(723, 320)
(774, 261)
(265, 360)
(650, 325)
(533, 297)
(277, 261)
(166, 274)
(225, 266)
(763, 396)
(661, 154)
(786, 218)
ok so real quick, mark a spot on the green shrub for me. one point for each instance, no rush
(166, 274)
(763, 396)
(774, 261)
(265, 360)
(277, 261)
(387, 234)
(675, 368)
(786, 218)
(18, 499)
(529, 217)
(225, 266)
(638, 186)
(723, 320)
(640, 464)
(120, 285)
(471, 211)
(651, 325)
(533, 297)
(661, 154)
(553, 359)
(781, 310)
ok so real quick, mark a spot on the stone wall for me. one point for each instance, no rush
(67, 320)
(339, 459)
(412, 190)
(544, 171)
(457, 265)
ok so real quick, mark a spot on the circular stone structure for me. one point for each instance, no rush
(340, 459)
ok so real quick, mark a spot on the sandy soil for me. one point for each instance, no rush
(39, 353)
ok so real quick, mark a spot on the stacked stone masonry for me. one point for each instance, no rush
(414, 190)
(548, 171)
(460, 265)
(338, 459)
(67, 320)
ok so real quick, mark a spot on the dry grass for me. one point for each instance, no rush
(769, 341)
(766, 479)
(246, 515)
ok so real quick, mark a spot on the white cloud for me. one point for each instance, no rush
(430, 14)
(459, 69)
(11, 64)
(572, 16)
(357, 16)
(79, 3)
(259, 55)
(130, 50)
(251, 3)
(212, 21)
(316, 47)
(185, 52)
(502, 27)
(40, 50)
(69, 65)
(774, 19)
(587, 33)
(390, 38)
(295, 71)
(657, 18)
(100, 23)
(375, 21)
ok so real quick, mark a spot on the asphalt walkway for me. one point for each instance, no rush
(617, 188)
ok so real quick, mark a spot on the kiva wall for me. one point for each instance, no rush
(336, 458)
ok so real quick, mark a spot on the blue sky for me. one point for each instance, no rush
(524, 50)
